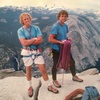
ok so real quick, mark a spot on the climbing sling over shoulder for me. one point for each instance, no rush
(64, 57)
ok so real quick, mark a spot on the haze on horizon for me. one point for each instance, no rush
(71, 4)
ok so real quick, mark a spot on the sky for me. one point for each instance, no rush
(71, 4)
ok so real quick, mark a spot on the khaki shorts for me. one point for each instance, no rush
(30, 57)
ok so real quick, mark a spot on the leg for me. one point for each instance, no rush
(54, 69)
(40, 63)
(29, 78)
(29, 73)
(73, 72)
(28, 61)
(45, 77)
(55, 60)
(72, 66)
(43, 71)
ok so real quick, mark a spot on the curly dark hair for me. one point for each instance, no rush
(62, 12)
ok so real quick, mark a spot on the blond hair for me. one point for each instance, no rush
(21, 17)
(62, 12)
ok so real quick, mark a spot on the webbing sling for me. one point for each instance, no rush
(64, 57)
(35, 55)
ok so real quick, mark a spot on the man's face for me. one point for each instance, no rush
(26, 20)
(63, 18)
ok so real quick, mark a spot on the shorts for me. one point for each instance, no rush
(30, 57)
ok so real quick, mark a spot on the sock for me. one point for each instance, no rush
(48, 83)
(30, 83)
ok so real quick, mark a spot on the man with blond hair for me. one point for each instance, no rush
(30, 38)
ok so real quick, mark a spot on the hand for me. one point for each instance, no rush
(70, 39)
(63, 41)
(35, 38)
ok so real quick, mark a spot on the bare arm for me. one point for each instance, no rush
(25, 42)
(53, 40)
(38, 40)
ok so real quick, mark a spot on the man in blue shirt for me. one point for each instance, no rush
(30, 37)
(58, 35)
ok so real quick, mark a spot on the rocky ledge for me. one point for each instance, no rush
(13, 85)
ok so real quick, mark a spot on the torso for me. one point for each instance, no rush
(61, 33)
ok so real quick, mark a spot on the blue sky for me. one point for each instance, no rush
(71, 4)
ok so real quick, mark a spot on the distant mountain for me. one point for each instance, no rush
(84, 26)
(85, 33)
